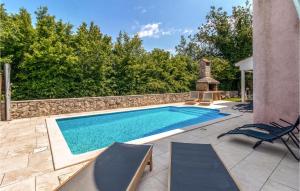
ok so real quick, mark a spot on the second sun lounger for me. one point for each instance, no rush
(196, 167)
(118, 168)
(267, 137)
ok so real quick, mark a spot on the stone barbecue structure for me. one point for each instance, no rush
(206, 85)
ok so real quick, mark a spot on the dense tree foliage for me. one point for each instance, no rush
(225, 37)
(51, 59)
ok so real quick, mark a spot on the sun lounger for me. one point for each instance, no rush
(244, 107)
(267, 137)
(118, 168)
(274, 128)
(197, 167)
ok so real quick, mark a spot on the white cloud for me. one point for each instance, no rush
(149, 30)
(154, 30)
(168, 32)
(188, 31)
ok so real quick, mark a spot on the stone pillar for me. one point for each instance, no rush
(243, 85)
(7, 92)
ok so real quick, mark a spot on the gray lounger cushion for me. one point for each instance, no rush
(196, 167)
(112, 170)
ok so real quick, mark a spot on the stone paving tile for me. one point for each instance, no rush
(287, 175)
(24, 150)
(158, 166)
(20, 174)
(28, 185)
(41, 161)
(275, 186)
(49, 181)
(151, 184)
(3, 153)
(13, 163)
(41, 129)
(254, 170)
(46, 182)
(1, 178)
(232, 153)
(42, 141)
(162, 176)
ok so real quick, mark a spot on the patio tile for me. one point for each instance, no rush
(41, 161)
(151, 184)
(287, 175)
(19, 150)
(1, 178)
(156, 151)
(232, 153)
(158, 166)
(254, 170)
(275, 186)
(244, 183)
(164, 159)
(41, 130)
(13, 163)
(290, 161)
(49, 181)
(28, 185)
(46, 182)
(42, 141)
(3, 153)
(20, 174)
(162, 145)
(162, 176)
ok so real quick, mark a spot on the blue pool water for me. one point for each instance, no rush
(88, 133)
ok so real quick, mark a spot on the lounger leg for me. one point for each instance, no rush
(295, 137)
(257, 144)
(289, 149)
(294, 141)
(150, 163)
(221, 135)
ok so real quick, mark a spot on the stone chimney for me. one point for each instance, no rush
(205, 70)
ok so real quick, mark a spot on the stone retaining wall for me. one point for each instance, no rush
(35, 108)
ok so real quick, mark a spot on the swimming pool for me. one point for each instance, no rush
(88, 133)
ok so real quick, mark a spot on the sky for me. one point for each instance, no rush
(159, 23)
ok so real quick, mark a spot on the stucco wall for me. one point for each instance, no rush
(35, 108)
(276, 60)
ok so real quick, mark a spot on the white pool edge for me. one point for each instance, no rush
(63, 157)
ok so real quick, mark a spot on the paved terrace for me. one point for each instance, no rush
(26, 161)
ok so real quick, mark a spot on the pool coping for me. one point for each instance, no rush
(63, 157)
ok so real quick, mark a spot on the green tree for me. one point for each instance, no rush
(16, 36)
(127, 63)
(50, 66)
(227, 37)
(50, 60)
(94, 52)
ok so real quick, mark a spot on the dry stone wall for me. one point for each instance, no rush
(35, 108)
